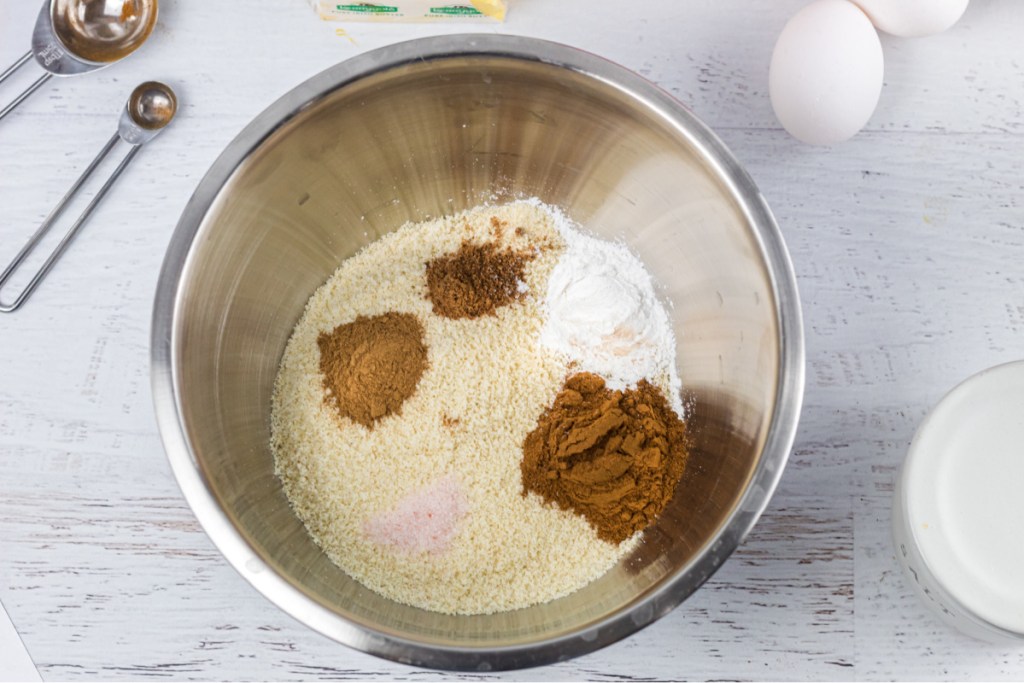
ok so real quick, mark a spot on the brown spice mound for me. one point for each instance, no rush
(613, 457)
(474, 281)
(372, 365)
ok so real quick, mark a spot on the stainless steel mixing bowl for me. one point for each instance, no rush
(427, 128)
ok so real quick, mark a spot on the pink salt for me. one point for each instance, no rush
(425, 521)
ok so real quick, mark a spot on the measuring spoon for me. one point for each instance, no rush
(74, 37)
(150, 108)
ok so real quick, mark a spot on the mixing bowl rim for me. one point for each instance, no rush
(646, 608)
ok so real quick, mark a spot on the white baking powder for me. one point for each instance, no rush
(603, 313)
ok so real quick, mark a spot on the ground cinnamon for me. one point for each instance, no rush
(613, 457)
(476, 280)
(372, 365)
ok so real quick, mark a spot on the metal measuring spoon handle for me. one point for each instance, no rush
(73, 37)
(24, 95)
(150, 108)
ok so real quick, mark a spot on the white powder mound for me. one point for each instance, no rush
(603, 313)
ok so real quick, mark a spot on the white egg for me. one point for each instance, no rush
(913, 18)
(826, 72)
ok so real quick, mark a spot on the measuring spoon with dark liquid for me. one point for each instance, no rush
(73, 37)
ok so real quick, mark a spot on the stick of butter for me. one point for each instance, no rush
(412, 10)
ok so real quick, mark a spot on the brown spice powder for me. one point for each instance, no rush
(497, 228)
(476, 280)
(372, 365)
(613, 457)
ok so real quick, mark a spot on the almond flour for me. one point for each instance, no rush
(486, 382)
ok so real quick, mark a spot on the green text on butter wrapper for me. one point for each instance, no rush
(455, 9)
(366, 7)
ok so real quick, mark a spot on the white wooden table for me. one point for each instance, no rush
(909, 246)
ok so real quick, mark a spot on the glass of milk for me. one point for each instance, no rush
(958, 514)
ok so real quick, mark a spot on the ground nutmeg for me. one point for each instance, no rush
(476, 280)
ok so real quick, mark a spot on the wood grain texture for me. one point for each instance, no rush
(907, 241)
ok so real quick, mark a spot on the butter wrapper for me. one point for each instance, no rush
(412, 10)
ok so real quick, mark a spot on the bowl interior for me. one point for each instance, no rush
(430, 138)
